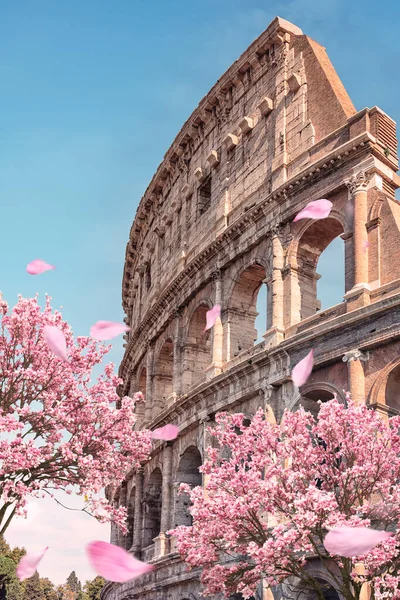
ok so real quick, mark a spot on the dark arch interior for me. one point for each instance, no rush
(392, 393)
(309, 400)
(198, 348)
(188, 472)
(152, 507)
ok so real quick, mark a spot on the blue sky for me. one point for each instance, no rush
(92, 95)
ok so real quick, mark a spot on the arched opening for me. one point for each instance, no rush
(152, 508)
(392, 392)
(142, 381)
(130, 520)
(163, 377)
(247, 311)
(198, 348)
(311, 245)
(188, 472)
(328, 592)
(309, 400)
(331, 285)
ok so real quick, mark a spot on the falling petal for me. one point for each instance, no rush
(302, 371)
(28, 564)
(353, 541)
(167, 433)
(107, 330)
(319, 209)
(55, 340)
(113, 563)
(38, 266)
(212, 315)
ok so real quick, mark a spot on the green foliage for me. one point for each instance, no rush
(74, 583)
(93, 588)
(48, 589)
(33, 588)
(10, 586)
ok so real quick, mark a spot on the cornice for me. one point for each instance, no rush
(336, 159)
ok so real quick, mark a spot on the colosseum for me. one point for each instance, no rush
(215, 226)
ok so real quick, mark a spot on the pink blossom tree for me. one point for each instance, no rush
(58, 430)
(272, 492)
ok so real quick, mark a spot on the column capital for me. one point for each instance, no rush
(216, 274)
(355, 354)
(358, 182)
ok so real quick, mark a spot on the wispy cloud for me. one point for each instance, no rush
(65, 532)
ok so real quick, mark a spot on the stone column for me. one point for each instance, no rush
(177, 366)
(122, 502)
(217, 331)
(161, 541)
(114, 530)
(138, 516)
(149, 383)
(358, 296)
(157, 276)
(356, 379)
(274, 334)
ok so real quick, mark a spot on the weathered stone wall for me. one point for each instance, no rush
(216, 223)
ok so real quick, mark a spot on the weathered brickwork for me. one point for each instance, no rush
(215, 224)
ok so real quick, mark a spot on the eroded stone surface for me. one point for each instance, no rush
(216, 222)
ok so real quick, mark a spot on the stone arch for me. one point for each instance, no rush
(187, 472)
(294, 588)
(384, 389)
(163, 376)
(311, 393)
(240, 312)
(197, 349)
(311, 239)
(152, 501)
(130, 519)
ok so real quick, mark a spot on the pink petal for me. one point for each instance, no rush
(319, 209)
(106, 330)
(167, 433)
(113, 563)
(38, 266)
(212, 315)
(302, 371)
(55, 340)
(28, 564)
(353, 541)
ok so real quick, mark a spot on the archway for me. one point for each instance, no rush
(244, 329)
(152, 507)
(163, 377)
(309, 400)
(130, 520)
(198, 348)
(188, 472)
(302, 293)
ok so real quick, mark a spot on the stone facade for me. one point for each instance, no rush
(215, 224)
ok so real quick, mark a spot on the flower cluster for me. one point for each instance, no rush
(272, 492)
(60, 431)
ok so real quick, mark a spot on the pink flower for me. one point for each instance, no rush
(29, 563)
(167, 433)
(302, 371)
(114, 563)
(211, 316)
(107, 330)
(318, 209)
(36, 267)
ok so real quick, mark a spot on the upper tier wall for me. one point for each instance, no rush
(254, 129)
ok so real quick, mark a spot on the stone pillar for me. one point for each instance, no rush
(122, 502)
(359, 295)
(157, 278)
(217, 331)
(166, 488)
(356, 378)
(274, 335)
(138, 516)
(149, 382)
(162, 541)
(114, 530)
(177, 366)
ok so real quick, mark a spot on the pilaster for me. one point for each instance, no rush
(138, 515)
(356, 377)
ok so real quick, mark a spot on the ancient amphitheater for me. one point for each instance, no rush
(276, 131)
